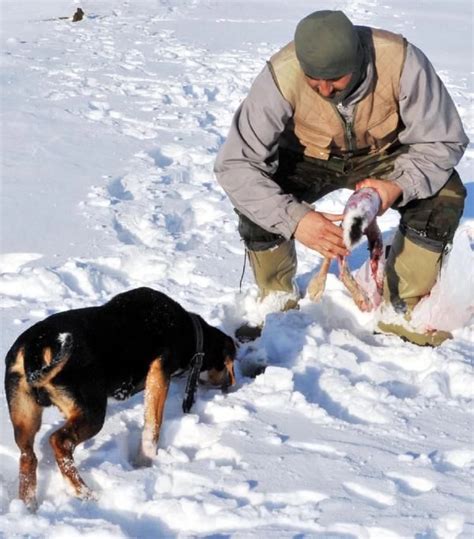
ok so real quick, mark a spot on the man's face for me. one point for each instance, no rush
(329, 87)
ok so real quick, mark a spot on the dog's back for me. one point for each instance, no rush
(111, 345)
(76, 359)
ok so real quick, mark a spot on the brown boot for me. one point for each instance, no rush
(274, 271)
(428, 338)
(411, 271)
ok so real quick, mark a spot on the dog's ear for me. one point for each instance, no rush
(230, 347)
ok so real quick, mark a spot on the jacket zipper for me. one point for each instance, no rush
(347, 127)
(349, 136)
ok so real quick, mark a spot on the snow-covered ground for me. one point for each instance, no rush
(110, 128)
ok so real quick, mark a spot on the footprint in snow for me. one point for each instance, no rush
(376, 498)
(118, 191)
(12, 262)
(452, 459)
(324, 449)
(160, 160)
(410, 484)
(99, 110)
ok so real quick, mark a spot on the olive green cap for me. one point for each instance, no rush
(327, 45)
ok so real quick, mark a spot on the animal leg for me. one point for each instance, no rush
(25, 414)
(78, 428)
(156, 391)
(358, 295)
(26, 418)
(318, 283)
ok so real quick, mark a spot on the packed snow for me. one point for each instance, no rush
(110, 128)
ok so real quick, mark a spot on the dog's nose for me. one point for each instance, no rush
(226, 383)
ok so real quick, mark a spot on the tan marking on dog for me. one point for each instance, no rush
(47, 377)
(18, 367)
(23, 406)
(63, 442)
(65, 403)
(229, 365)
(47, 355)
(25, 412)
(156, 391)
(224, 377)
(215, 377)
(25, 415)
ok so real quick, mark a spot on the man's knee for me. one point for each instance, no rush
(255, 237)
(432, 222)
(426, 227)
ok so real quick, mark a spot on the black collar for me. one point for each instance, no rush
(195, 365)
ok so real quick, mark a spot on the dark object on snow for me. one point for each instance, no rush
(78, 16)
(247, 332)
(78, 358)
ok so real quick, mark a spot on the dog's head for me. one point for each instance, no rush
(219, 362)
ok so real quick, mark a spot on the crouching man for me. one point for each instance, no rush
(343, 105)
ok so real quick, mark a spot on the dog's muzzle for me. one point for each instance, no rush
(223, 379)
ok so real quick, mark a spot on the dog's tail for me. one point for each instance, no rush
(44, 362)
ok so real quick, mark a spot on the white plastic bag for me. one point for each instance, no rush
(450, 304)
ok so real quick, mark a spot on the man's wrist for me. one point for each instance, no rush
(297, 211)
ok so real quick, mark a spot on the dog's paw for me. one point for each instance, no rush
(87, 495)
(31, 504)
(143, 460)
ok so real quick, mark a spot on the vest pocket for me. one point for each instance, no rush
(316, 144)
(383, 132)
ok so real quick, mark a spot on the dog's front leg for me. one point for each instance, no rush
(318, 283)
(156, 390)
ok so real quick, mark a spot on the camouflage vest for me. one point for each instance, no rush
(317, 124)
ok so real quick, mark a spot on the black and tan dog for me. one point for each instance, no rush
(78, 358)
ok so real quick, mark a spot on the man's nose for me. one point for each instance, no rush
(325, 88)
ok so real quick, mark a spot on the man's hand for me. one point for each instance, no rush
(318, 232)
(388, 191)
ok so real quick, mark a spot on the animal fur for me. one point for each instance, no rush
(359, 219)
(76, 359)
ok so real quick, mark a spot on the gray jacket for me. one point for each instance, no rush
(248, 159)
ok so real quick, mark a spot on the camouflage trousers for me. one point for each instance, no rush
(426, 225)
(429, 222)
